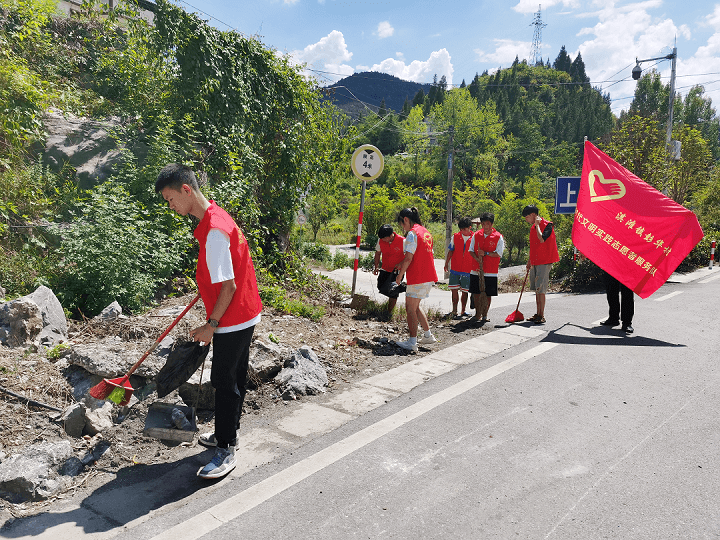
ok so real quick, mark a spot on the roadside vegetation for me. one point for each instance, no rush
(268, 146)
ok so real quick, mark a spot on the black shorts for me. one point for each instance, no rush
(490, 285)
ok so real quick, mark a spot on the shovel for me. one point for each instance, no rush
(120, 390)
(516, 316)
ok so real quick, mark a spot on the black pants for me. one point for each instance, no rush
(620, 300)
(231, 354)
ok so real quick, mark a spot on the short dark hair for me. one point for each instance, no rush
(174, 176)
(385, 230)
(411, 213)
(464, 223)
(487, 216)
(530, 209)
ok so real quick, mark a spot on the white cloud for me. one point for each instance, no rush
(438, 64)
(385, 30)
(400, 56)
(622, 34)
(505, 52)
(530, 6)
(329, 54)
(290, 2)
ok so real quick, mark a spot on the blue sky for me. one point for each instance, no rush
(415, 40)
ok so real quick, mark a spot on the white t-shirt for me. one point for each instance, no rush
(411, 242)
(219, 263)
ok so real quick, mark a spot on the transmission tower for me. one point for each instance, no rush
(535, 52)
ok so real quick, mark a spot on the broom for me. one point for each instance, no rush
(516, 316)
(120, 390)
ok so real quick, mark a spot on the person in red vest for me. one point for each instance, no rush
(419, 265)
(487, 247)
(226, 279)
(543, 253)
(390, 250)
(459, 261)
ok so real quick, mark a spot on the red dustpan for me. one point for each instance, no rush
(516, 316)
(120, 390)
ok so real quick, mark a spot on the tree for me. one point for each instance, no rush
(322, 208)
(563, 61)
(577, 70)
(414, 136)
(691, 173)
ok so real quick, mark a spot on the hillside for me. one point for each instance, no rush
(371, 88)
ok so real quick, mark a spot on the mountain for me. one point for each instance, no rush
(352, 94)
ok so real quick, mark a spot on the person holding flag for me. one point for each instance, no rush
(543, 253)
(619, 310)
(629, 229)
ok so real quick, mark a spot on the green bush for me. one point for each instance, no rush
(580, 275)
(700, 254)
(276, 297)
(317, 252)
(115, 249)
(342, 260)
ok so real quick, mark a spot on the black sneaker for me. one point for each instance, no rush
(610, 322)
(628, 329)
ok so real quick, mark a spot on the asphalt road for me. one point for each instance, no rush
(566, 431)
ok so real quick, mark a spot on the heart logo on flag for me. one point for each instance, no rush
(616, 185)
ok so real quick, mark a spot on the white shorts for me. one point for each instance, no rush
(419, 290)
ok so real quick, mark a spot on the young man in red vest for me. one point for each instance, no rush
(459, 261)
(389, 248)
(226, 279)
(487, 247)
(543, 253)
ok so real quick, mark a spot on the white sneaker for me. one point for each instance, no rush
(427, 340)
(408, 345)
(221, 464)
(208, 439)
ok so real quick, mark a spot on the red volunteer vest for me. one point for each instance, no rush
(461, 260)
(543, 252)
(491, 265)
(422, 266)
(392, 253)
(245, 304)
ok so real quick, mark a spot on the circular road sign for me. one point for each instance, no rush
(367, 162)
(301, 219)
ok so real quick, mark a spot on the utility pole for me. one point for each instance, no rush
(449, 213)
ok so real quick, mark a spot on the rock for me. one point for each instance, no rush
(32, 475)
(112, 357)
(20, 322)
(55, 329)
(98, 416)
(73, 419)
(36, 318)
(266, 360)
(302, 374)
(110, 313)
(86, 145)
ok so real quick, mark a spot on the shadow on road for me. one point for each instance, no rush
(135, 491)
(601, 335)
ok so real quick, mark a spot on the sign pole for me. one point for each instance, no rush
(367, 164)
(359, 235)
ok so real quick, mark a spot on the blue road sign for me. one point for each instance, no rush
(566, 194)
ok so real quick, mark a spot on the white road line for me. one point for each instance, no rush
(668, 296)
(252, 497)
(712, 278)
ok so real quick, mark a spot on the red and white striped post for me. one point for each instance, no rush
(712, 255)
(367, 163)
(359, 235)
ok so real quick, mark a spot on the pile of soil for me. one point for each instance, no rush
(352, 346)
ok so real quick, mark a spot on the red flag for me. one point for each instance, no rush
(627, 227)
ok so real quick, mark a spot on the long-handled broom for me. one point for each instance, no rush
(516, 316)
(120, 390)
